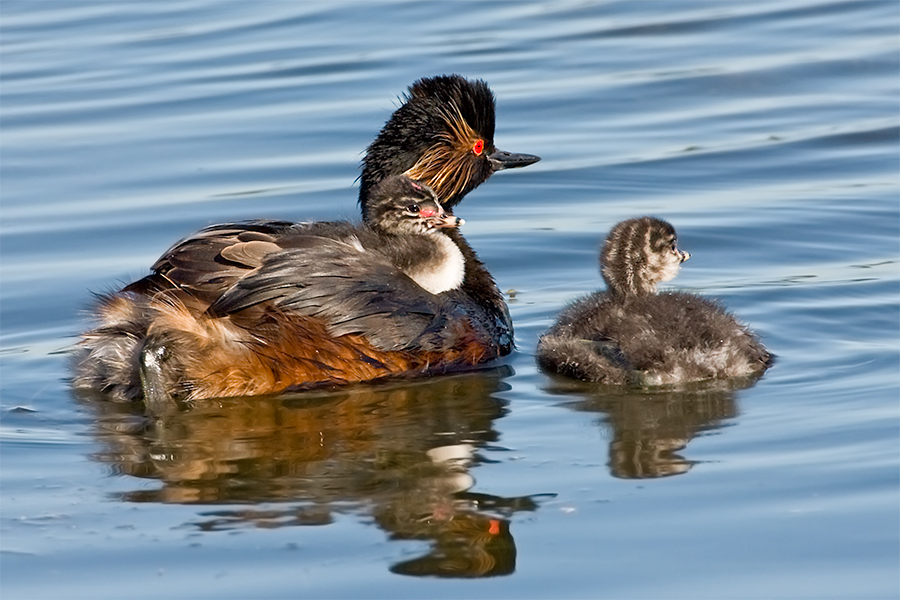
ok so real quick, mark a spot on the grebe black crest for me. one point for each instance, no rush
(632, 334)
(443, 136)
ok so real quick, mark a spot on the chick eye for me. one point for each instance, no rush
(413, 208)
(478, 147)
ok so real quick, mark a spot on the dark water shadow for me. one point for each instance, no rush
(397, 455)
(650, 428)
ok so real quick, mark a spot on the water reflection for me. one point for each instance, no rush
(649, 429)
(399, 454)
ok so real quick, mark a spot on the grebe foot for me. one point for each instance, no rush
(157, 399)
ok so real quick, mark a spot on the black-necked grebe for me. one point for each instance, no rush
(222, 314)
(632, 334)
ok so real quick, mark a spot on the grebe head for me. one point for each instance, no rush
(398, 205)
(638, 255)
(443, 136)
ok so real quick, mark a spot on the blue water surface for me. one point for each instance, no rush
(766, 132)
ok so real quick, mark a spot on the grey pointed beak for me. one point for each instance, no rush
(501, 159)
(447, 221)
(441, 219)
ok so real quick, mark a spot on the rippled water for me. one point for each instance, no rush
(766, 132)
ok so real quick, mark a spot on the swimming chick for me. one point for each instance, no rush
(632, 334)
(262, 307)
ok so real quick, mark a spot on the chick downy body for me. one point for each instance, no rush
(631, 334)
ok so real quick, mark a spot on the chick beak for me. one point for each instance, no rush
(447, 222)
(501, 159)
(438, 219)
(684, 255)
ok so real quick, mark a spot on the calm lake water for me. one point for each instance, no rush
(766, 132)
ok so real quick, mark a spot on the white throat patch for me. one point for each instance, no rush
(444, 274)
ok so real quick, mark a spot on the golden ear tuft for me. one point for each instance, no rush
(447, 165)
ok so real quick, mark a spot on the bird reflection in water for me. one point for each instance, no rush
(650, 427)
(399, 455)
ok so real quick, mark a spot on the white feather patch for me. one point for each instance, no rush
(444, 274)
(354, 241)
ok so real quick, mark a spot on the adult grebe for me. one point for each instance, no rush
(209, 322)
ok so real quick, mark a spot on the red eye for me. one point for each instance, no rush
(478, 148)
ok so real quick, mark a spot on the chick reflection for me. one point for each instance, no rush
(401, 453)
(649, 428)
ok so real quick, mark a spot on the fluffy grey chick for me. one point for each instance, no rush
(630, 334)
